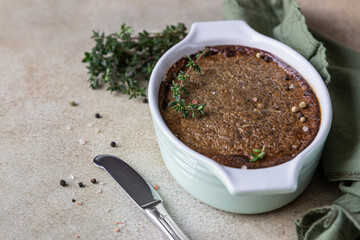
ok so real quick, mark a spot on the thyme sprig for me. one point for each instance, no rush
(178, 88)
(257, 154)
(120, 59)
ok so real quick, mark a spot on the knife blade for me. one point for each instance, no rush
(144, 196)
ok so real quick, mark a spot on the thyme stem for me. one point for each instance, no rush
(179, 104)
(120, 59)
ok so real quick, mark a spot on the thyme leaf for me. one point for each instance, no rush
(257, 154)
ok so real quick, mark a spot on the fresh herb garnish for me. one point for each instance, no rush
(119, 59)
(257, 153)
(179, 104)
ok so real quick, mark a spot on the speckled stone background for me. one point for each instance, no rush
(41, 47)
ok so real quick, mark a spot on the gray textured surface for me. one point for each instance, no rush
(41, 47)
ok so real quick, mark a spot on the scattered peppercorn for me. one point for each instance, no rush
(266, 58)
(97, 115)
(287, 77)
(93, 180)
(287, 88)
(76, 236)
(145, 100)
(300, 115)
(303, 119)
(73, 200)
(81, 185)
(303, 105)
(62, 183)
(72, 103)
(295, 109)
(113, 144)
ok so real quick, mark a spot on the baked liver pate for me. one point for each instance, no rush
(249, 96)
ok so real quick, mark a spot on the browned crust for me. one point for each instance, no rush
(234, 124)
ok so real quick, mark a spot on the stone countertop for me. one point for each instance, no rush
(41, 46)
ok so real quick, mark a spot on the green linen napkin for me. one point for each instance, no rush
(282, 20)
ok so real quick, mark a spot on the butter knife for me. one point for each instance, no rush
(144, 196)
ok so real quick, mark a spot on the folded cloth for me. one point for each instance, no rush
(338, 221)
(341, 156)
(282, 20)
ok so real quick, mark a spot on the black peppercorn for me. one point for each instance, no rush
(266, 58)
(97, 115)
(81, 184)
(287, 88)
(73, 200)
(300, 115)
(287, 77)
(62, 183)
(93, 180)
(113, 144)
(145, 100)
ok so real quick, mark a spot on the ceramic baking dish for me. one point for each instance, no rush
(232, 189)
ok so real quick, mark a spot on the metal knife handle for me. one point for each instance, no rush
(159, 216)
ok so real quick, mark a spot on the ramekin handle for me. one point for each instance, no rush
(220, 31)
(255, 181)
